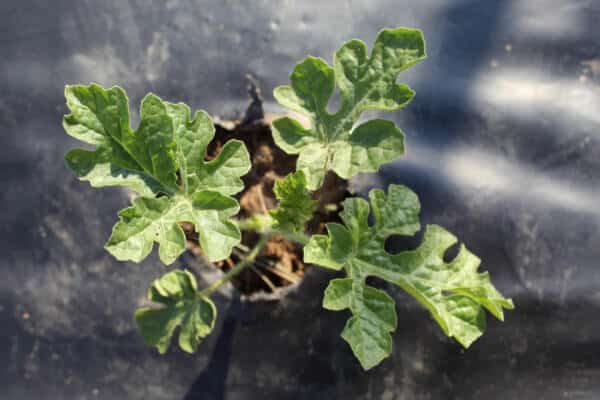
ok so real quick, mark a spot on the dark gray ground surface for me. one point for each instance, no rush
(504, 150)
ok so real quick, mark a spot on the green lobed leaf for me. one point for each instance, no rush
(164, 162)
(182, 306)
(152, 220)
(212, 217)
(365, 83)
(193, 137)
(96, 167)
(296, 205)
(374, 317)
(454, 292)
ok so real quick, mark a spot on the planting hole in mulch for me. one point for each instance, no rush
(280, 264)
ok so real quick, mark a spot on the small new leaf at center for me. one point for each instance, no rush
(296, 205)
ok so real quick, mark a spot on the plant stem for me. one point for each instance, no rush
(237, 268)
(297, 237)
(265, 227)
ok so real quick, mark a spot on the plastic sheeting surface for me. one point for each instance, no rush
(503, 149)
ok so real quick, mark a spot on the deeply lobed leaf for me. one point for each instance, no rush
(157, 220)
(163, 161)
(454, 293)
(365, 82)
(181, 305)
(296, 206)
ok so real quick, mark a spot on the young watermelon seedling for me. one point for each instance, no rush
(165, 163)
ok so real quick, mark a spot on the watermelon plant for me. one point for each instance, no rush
(164, 161)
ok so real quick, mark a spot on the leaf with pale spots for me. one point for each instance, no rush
(163, 161)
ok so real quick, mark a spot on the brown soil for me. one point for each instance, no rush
(280, 263)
